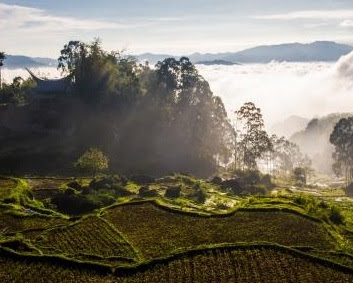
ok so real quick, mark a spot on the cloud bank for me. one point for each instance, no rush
(285, 89)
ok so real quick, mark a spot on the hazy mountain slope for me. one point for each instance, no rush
(20, 61)
(216, 62)
(315, 140)
(289, 126)
(291, 52)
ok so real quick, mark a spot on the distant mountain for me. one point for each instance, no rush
(216, 62)
(289, 126)
(325, 51)
(20, 61)
(153, 58)
(46, 61)
(293, 52)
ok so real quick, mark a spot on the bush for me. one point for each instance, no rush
(199, 196)
(73, 204)
(336, 215)
(105, 183)
(146, 192)
(173, 192)
(142, 179)
(249, 177)
(217, 180)
(257, 190)
(266, 181)
(74, 185)
(232, 186)
(301, 200)
(299, 175)
(92, 161)
(349, 190)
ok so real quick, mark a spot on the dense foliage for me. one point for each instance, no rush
(342, 139)
(252, 141)
(152, 120)
(92, 161)
(16, 93)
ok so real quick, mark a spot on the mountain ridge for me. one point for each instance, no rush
(324, 51)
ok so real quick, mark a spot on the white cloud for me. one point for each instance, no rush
(309, 15)
(17, 18)
(285, 89)
(346, 23)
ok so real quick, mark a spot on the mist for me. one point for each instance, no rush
(283, 89)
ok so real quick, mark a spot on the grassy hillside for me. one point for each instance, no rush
(238, 264)
(145, 236)
(157, 232)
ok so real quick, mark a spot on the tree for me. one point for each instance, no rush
(299, 175)
(16, 93)
(2, 58)
(92, 161)
(286, 156)
(342, 139)
(100, 78)
(253, 141)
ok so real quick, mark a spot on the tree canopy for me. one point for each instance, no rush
(153, 120)
(92, 161)
(2, 58)
(342, 139)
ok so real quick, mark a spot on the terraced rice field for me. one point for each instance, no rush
(90, 237)
(6, 185)
(14, 223)
(156, 232)
(220, 265)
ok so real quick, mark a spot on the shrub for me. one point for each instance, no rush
(173, 192)
(70, 192)
(299, 175)
(349, 190)
(199, 196)
(336, 215)
(217, 180)
(105, 183)
(74, 185)
(232, 186)
(146, 192)
(142, 179)
(249, 177)
(266, 181)
(301, 200)
(92, 161)
(73, 204)
(257, 190)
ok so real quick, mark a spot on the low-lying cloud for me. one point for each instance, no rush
(285, 89)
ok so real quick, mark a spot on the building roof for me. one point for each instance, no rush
(51, 86)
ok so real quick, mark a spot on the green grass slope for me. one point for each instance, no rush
(156, 231)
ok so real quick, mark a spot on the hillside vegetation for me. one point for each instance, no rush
(160, 237)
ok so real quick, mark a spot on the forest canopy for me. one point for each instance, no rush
(145, 119)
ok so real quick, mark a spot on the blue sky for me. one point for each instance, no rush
(41, 27)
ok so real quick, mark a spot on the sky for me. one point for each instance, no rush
(42, 27)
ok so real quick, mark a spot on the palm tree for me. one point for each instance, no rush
(2, 58)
